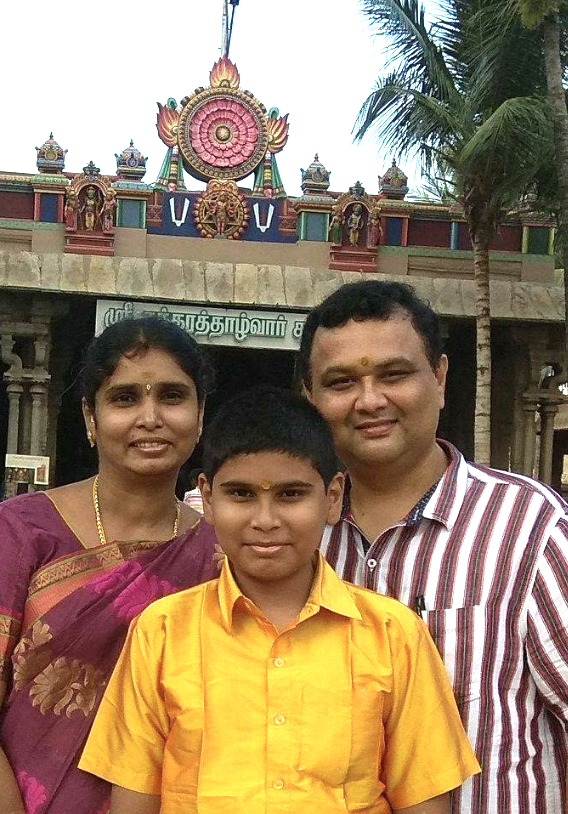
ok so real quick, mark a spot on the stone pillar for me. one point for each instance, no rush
(14, 391)
(547, 413)
(38, 435)
(530, 407)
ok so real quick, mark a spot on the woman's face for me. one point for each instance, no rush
(146, 418)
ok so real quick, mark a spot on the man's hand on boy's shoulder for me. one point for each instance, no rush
(437, 805)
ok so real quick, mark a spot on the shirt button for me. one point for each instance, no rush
(279, 662)
(278, 784)
(280, 719)
(371, 564)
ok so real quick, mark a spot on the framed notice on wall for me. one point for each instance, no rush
(23, 473)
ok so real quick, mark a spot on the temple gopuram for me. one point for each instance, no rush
(238, 264)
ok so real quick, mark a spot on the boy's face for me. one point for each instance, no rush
(269, 510)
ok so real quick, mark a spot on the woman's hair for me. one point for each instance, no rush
(132, 336)
(269, 419)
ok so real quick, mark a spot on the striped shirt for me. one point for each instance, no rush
(487, 559)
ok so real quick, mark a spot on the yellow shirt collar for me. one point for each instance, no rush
(327, 591)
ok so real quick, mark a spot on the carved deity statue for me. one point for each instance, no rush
(355, 224)
(71, 209)
(108, 210)
(375, 228)
(336, 228)
(89, 210)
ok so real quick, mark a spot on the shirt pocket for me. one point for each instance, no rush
(363, 787)
(325, 741)
(459, 634)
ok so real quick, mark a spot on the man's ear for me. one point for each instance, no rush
(441, 373)
(205, 489)
(335, 498)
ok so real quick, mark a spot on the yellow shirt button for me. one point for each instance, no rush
(279, 662)
(278, 784)
(280, 719)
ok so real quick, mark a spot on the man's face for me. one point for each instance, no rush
(373, 383)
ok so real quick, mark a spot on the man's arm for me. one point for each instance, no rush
(437, 805)
(547, 625)
(124, 801)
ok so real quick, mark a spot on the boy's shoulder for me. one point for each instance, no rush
(377, 608)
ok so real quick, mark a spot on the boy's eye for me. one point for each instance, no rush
(240, 494)
(292, 494)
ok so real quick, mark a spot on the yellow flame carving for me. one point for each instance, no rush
(224, 74)
(167, 125)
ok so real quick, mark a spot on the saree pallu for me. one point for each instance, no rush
(66, 655)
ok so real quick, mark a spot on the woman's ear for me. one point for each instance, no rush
(90, 425)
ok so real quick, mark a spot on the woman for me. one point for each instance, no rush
(79, 562)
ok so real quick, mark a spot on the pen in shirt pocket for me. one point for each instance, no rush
(420, 605)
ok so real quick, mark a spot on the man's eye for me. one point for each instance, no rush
(340, 384)
(395, 374)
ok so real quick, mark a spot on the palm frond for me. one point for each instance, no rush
(403, 23)
(533, 12)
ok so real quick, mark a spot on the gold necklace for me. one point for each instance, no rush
(100, 527)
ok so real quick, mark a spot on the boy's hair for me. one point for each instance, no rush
(269, 419)
(371, 299)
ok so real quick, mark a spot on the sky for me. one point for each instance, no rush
(93, 74)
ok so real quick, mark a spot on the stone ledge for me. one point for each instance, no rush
(268, 286)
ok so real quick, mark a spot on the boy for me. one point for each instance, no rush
(277, 687)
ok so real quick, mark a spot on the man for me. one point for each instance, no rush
(481, 555)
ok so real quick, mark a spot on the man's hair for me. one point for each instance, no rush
(371, 299)
(269, 419)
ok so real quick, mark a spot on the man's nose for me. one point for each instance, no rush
(371, 395)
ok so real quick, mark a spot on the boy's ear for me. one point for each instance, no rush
(335, 498)
(205, 490)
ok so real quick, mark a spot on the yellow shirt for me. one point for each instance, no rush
(349, 709)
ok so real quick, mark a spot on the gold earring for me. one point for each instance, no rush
(91, 439)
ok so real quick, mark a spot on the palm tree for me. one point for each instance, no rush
(546, 14)
(477, 119)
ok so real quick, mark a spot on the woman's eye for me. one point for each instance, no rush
(173, 395)
(124, 399)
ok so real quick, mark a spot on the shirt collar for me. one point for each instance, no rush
(327, 591)
(442, 501)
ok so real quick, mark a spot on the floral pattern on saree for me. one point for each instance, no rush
(66, 684)
(139, 592)
(33, 793)
(63, 684)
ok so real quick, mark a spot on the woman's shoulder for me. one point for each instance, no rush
(26, 507)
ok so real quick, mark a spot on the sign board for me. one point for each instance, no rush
(233, 327)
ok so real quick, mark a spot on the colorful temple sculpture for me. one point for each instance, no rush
(237, 262)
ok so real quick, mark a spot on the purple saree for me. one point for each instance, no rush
(64, 655)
